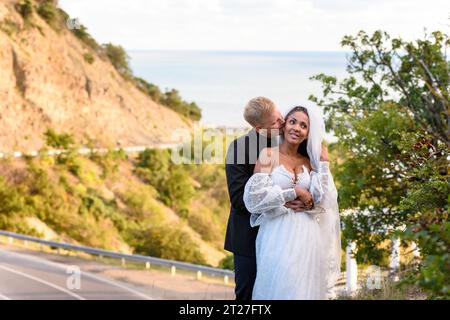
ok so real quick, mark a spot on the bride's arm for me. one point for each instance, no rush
(320, 181)
(262, 197)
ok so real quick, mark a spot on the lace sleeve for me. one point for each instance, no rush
(263, 199)
(319, 187)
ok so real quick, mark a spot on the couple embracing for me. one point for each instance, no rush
(284, 227)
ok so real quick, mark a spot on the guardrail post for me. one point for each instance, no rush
(69, 249)
(351, 269)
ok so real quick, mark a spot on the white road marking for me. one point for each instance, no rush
(49, 284)
(83, 273)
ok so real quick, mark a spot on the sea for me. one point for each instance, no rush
(222, 82)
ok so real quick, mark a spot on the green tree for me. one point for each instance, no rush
(119, 58)
(391, 118)
(150, 89)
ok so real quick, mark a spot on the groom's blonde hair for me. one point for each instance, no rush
(256, 109)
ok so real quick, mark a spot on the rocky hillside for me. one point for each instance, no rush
(51, 79)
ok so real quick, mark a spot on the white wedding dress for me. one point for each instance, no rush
(291, 260)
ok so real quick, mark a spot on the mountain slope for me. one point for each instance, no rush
(51, 79)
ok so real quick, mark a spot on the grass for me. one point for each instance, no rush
(9, 27)
(389, 289)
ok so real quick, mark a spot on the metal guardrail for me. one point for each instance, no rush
(131, 257)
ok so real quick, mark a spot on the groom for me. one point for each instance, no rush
(265, 118)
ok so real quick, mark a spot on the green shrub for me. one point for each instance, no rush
(173, 100)
(50, 14)
(12, 205)
(109, 162)
(179, 190)
(172, 182)
(227, 262)
(149, 88)
(9, 27)
(59, 141)
(92, 204)
(169, 243)
(82, 34)
(119, 59)
(89, 58)
(25, 9)
(170, 98)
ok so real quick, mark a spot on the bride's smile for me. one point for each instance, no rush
(296, 127)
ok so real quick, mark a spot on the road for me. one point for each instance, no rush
(24, 277)
(30, 274)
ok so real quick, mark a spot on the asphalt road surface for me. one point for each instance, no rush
(24, 277)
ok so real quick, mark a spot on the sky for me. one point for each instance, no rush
(259, 25)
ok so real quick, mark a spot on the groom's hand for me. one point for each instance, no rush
(298, 205)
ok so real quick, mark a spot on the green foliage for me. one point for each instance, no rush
(58, 141)
(25, 9)
(82, 34)
(50, 13)
(172, 182)
(414, 74)
(141, 206)
(89, 58)
(119, 59)
(79, 200)
(427, 201)
(92, 204)
(227, 262)
(149, 88)
(171, 99)
(12, 207)
(391, 118)
(179, 190)
(169, 243)
(9, 27)
(110, 162)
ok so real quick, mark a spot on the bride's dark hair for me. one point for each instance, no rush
(302, 147)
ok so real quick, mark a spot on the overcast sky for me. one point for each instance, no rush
(298, 25)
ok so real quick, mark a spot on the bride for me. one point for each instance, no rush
(297, 253)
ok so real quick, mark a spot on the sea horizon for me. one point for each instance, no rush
(222, 81)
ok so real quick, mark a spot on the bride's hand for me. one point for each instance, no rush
(297, 205)
(304, 196)
(324, 154)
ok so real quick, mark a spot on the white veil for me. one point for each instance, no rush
(329, 221)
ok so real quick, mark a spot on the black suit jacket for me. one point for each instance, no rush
(240, 163)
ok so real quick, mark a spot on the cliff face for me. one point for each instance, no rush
(46, 82)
